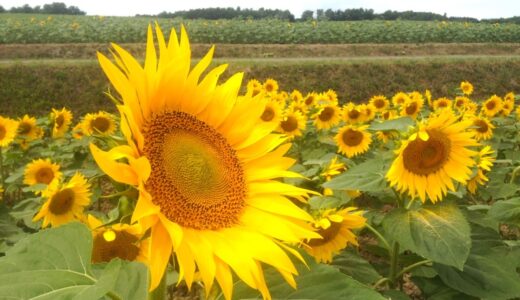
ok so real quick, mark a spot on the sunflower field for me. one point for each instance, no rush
(196, 190)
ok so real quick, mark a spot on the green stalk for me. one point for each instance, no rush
(379, 235)
(394, 264)
(113, 296)
(160, 291)
(413, 266)
(513, 175)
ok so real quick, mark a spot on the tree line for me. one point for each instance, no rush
(55, 8)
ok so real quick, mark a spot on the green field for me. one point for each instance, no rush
(24, 28)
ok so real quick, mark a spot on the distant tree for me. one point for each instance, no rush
(307, 15)
(2, 9)
(320, 15)
(57, 8)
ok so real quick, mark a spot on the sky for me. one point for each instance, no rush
(458, 8)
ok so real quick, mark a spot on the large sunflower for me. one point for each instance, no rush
(118, 241)
(65, 202)
(61, 120)
(353, 140)
(327, 116)
(100, 123)
(41, 171)
(429, 161)
(8, 128)
(335, 226)
(204, 165)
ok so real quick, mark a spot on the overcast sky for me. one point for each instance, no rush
(460, 8)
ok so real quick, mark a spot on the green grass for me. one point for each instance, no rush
(24, 28)
(34, 86)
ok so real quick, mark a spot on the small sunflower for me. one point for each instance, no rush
(334, 168)
(466, 87)
(61, 120)
(352, 113)
(298, 106)
(461, 102)
(254, 87)
(270, 85)
(310, 99)
(400, 98)
(117, 241)
(387, 135)
(27, 128)
(272, 112)
(8, 128)
(296, 96)
(41, 171)
(507, 107)
(380, 103)
(100, 123)
(412, 107)
(292, 124)
(492, 106)
(327, 116)
(483, 128)
(429, 161)
(65, 202)
(77, 131)
(485, 161)
(388, 114)
(352, 140)
(369, 112)
(335, 227)
(442, 103)
(332, 96)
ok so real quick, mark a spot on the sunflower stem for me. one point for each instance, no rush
(394, 264)
(410, 203)
(413, 266)
(379, 235)
(513, 175)
(159, 293)
(113, 296)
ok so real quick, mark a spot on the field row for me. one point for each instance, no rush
(88, 50)
(25, 28)
(32, 86)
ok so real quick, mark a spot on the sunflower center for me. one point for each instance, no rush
(24, 128)
(328, 235)
(268, 114)
(100, 124)
(309, 100)
(2, 132)
(379, 103)
(326, 114)
(482, 126)
(386, 115)
(269, 87)
(122, 246)
(290, 124)
(353, 114)
(59, 121)
(490, 105)
(443, 104)
(427, 157)
(44, 175)
(459, 103)
(196, 177)
(352, 137)
(411, 108)
(62, 202)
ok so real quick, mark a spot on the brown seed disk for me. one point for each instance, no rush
(326, 114)
(427, 157)
(44, 175)
(289, 124)
(352, 137)
(328, 235)
(62, 202)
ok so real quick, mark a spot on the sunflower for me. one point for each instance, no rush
(369, 112)
(8, 128)
(300, 107)
(270, 85)
(100, 123)
(466, 87)
(400, 98)
(327, 116)
(380, 103)
(332, 96)
(117, 241)
(27, 128)
(335, 227)
(507, 107)
(387, 135)
(442, 103)
(492, 106)
(296, 96)
(61, 120)
(254, 87)
(77, 131)
(65, 202)
(352, 113)
(310, 99)
(334, 168)
(485, 161)
(352, 140)
(412, 107)
(204, 167)
(483, 128)
(41, 171)
(428, 162)
(292, 124)
(272, 112)
(388, 114)
(461, 102)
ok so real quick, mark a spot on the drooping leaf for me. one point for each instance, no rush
(367, 176)
(55, 264)
(399, 124)
(437, 232)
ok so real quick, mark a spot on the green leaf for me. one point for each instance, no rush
(490, 271)
(325, 202)
(319, 281)
(357, 267)
(55, 264)
(399, 124)
(506, 211)
(437, 232)
(367, 176)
